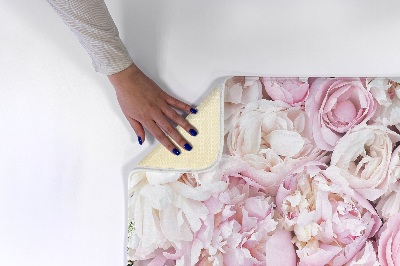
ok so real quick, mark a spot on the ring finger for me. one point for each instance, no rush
(169, 129)
(156, 131)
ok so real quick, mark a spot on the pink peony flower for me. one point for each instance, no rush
(331, 222)
(240, 227)
(288, 90)
(364, 157)
(335, 106)
(272, 134)
(389, 242)
(365, 257)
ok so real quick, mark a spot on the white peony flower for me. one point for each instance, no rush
(272, 133)
(238, 92)
(166, 210)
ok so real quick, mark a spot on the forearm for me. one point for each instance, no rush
(95, 29)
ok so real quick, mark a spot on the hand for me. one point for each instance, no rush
(144, 103)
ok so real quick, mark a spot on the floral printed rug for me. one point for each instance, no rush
(309, 176)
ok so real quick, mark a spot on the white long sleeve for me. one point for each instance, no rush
(92, 23)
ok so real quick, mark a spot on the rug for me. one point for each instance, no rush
(284, 171)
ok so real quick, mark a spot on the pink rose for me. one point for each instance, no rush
(389, 242)
(335, 106)
(364, 156)
(331, 222)
(288, 90)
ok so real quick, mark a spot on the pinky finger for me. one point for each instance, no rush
(138, 128)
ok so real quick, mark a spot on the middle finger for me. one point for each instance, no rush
(179, 120)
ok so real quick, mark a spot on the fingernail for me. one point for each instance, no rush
(140, 140)
(193, 111)
(192, 132)
(187, 146)
(176, 152)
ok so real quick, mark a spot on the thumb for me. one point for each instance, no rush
(138, 128)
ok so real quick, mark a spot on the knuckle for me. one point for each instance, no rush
(181, 105)
(172, 100)
(169, 129)
(175, 116)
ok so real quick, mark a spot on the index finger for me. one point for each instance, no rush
(180, 105)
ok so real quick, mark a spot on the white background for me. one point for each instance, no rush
(66, 149)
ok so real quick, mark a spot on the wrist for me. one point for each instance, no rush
(121, 78)
(132, 70)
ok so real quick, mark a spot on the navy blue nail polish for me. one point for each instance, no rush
(193, 111)
(140, 140)
(176, 152)
(192, 132)
(187, 146)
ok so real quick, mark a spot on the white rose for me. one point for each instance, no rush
(387, 94)
(389, 204)
(364, 156)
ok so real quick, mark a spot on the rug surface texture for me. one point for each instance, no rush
(284, 171)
